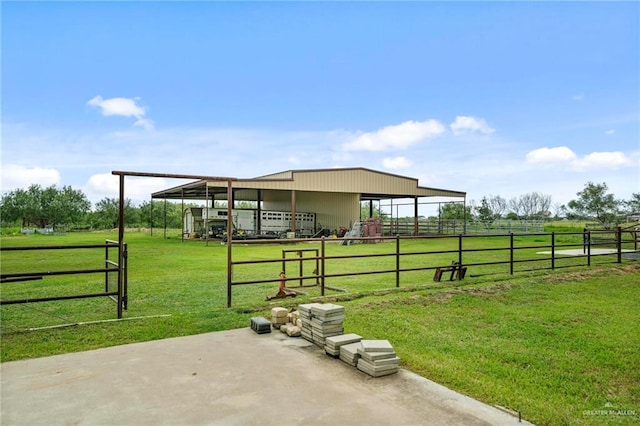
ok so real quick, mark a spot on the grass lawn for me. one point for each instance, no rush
(559, 346)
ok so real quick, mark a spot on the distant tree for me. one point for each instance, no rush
(69, 206)
(484, 213)
(632, 205)
(533, 205)
(365, 211)
(512, 216)
(152, 214)
(558, 210)
(107, 210)
(491, 208)
(44, 206)
(496, 206)
(455, 211)
(245, 204)
(594, 202)
(23, 205)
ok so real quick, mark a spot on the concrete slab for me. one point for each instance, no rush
(581, 252)
(234, 377)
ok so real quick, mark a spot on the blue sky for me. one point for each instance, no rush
(491, 98)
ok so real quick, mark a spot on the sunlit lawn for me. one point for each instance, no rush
(550, 344)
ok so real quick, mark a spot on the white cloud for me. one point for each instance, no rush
(400, 136)
(610, 132)
(550, 155)
(494, 167)
(603, 160)
(137, 189)
(564, 155)
(124, 107)
(15, 176)
(397, 163)
(467, 124)
(145, 123)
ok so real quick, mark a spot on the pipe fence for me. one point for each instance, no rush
(511, 250)
(119, 295)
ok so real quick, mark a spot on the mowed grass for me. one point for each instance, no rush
(555, 348)
(555, 345)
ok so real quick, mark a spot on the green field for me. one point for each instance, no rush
(555, 345)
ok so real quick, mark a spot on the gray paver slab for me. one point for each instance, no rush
(376, 346)
(343, 339)
(373, 356)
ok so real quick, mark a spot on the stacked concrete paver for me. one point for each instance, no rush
(326, 321)
(377, 358)
(322, 324)
(321, 320)
(349, 353)
(333, 344)
(305, 319)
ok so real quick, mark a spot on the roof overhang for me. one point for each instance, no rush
(354, 180)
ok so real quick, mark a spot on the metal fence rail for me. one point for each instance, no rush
(120, 295)
(405, 226)
(585, 242)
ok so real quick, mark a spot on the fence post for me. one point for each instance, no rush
(120, 247)
(106, 265)
(322, 266)
(125, 267)
(511, 253)
(460, 249)
(300, 267)
(588, 233)
(397, 260)
(553, 250)
(619, 243)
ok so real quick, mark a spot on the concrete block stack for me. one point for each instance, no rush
(349, 353)
(279, 317)
(326, 321)
(304, 311)
(322, 324)
(377, 358)
(332, 344)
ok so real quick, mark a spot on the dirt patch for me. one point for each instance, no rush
(590, 273)
(495, 289)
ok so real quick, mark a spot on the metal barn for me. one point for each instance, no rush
(333, 196)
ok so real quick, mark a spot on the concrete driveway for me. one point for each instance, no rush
(234, 377)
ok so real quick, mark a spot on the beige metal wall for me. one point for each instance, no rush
(349, 181)
(355, 181)
(332, 210)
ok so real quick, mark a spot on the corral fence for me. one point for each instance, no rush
(406, 226)
(111, 267)
(552, 251)
(604, 236)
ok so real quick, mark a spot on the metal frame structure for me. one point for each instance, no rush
(120, 296)
(368, 185)
(586, 244)
(121, 204)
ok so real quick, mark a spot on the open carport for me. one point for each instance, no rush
(234, 377)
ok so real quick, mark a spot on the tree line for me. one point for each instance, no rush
(67, 208)
(593, 202)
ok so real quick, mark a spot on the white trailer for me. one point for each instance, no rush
(213, 221)
(276, 222)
